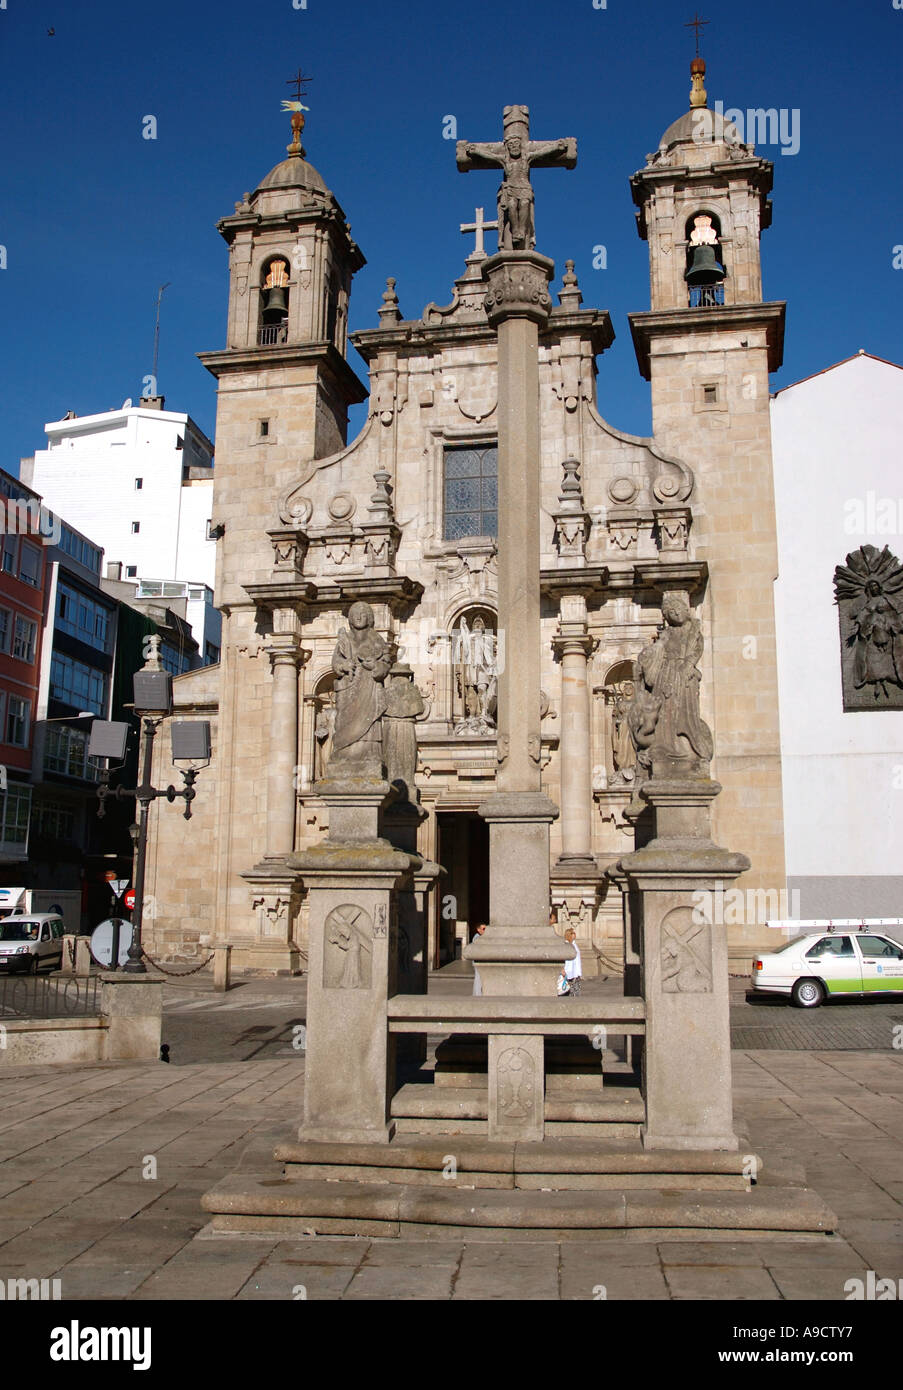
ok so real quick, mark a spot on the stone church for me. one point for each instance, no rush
(404, 519)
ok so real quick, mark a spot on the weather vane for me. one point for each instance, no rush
(697, 24)
(299, 82)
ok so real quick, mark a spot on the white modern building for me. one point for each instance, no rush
(139, 482)
(836, 440)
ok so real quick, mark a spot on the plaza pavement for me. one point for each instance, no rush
(77, 1141)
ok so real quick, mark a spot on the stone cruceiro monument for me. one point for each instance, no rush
(554, 1133)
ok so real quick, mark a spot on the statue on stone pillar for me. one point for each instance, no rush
(404, 704)
(664, 716)
(361, 661)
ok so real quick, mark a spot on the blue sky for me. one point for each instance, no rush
(94, 217)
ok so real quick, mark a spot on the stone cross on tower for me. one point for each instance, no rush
(516, 154)
(479, 226)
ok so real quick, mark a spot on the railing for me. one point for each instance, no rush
(270, 333)
(29, 996)
(706, 296)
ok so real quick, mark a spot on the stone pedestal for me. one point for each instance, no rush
(352, 880)
(671, 880)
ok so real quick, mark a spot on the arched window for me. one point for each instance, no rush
(705, 272)
(274, 296)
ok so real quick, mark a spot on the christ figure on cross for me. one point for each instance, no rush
(515, 155)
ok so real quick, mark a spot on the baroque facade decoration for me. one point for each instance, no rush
(639, 537)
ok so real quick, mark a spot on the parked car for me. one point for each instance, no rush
(27, 943)
(830, 964)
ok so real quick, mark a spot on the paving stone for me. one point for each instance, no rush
(385, 1253)
(391, 1282)
(102, 1281)
(282, 1281)
(733, 1282)
(710, 1254)
(619, 1283)
(324, 1250)
(802, 1284)
(623, 1252)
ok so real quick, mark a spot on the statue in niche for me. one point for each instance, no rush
(664, 716)
(324, 728)
(404, 705)
(871, 627)
(475, 655)
(623, 753)
(361, 661)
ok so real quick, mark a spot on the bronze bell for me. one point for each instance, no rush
(276, 305)
(705, 268)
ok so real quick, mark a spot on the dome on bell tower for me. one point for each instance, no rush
(293, 172)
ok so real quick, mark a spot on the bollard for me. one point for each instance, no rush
(222, 967)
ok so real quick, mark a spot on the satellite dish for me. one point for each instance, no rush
(126, 404)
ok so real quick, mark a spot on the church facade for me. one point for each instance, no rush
(404, 519)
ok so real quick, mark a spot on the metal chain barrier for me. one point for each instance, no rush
(193, 971)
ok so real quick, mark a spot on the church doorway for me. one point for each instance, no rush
(463, 851)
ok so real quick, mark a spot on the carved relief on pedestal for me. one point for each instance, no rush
(348, 948)
(686, 953)
(272, 916)
(516, 1073)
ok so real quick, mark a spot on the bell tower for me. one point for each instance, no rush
(707, 346)
(284, 386)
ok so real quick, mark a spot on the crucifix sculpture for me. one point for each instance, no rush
(516, 154)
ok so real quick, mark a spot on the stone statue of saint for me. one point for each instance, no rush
(623, 752)
(664, 716)
(361, 661)
(323, 732)
(404, 704)
(475, 653)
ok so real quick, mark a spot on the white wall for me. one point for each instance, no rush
(836, 438)
(88, 474)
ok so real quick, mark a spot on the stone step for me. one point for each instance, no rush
(619, 1105)
(260, 1205)
(553, 1165)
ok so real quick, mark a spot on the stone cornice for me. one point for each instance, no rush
(230, 360)
(415, 336)
(333, 593)
(723, 319)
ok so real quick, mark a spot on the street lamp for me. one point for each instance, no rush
(190, 742)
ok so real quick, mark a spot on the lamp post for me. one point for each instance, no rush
(190, 741)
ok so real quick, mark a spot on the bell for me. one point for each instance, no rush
(276, 306)
(705, 268)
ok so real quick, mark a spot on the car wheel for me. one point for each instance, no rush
(808, 994)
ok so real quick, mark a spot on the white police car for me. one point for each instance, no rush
(839, 959)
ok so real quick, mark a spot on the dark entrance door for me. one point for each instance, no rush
(464, 902)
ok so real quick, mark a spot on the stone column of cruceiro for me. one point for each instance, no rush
(519, 954)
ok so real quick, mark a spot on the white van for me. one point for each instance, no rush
(59, 902)
(28, 942)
